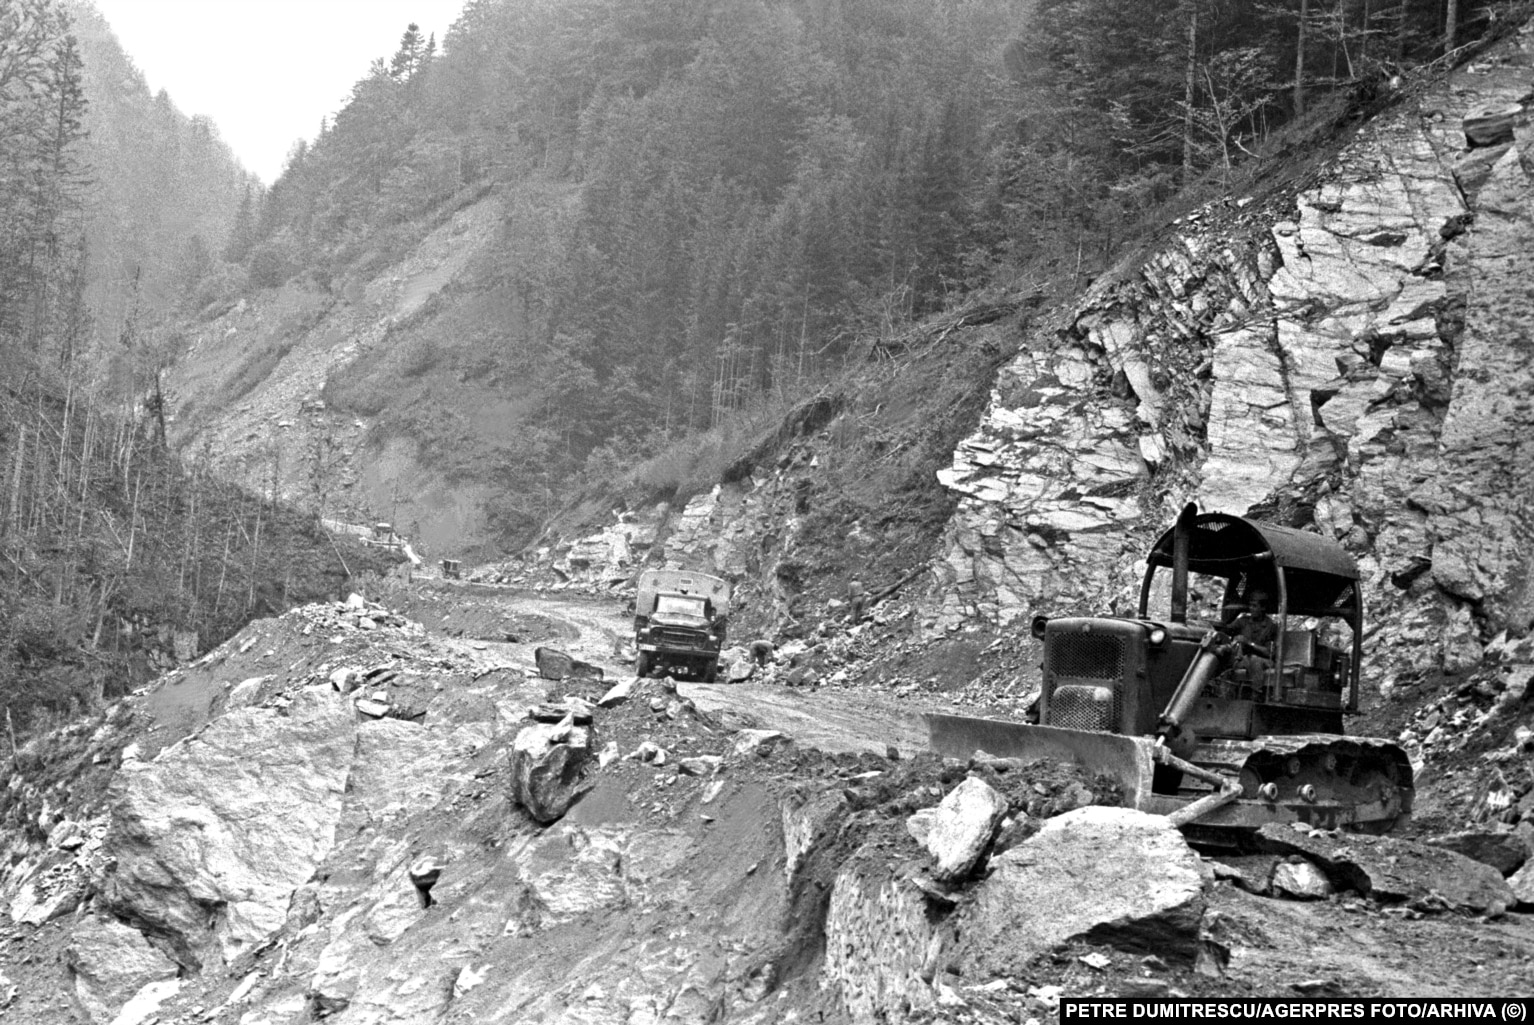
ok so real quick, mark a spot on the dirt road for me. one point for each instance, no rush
(598, 630)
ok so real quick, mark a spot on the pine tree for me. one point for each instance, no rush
(243, 233)
(42, 110)
(409, 57)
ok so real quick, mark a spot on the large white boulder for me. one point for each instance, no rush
(963, 827)
(1107, 875)
(233, 819)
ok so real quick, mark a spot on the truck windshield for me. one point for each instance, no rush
(678, 605)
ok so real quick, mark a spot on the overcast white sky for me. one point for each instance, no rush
(266, 71)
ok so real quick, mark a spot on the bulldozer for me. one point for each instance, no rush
(1194, 718)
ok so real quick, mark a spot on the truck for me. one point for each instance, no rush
(680, 619)
(1197, 722)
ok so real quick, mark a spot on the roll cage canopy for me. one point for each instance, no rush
(1307, 574)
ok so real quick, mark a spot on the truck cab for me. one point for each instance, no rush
(680, 622)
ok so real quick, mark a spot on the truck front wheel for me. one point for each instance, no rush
(710, 671)
(642, 664)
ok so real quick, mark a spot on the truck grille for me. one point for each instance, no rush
(676, 638)
(1078, 707)
(1084, 656)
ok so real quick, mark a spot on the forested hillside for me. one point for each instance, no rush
(115, 556)
(163, 193)
(710, 207)
(698, 214)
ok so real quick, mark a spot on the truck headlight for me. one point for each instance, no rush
(1157, 636)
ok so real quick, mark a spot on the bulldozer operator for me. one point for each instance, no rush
(1258, 633)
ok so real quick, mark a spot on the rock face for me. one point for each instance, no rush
(1110, 875)
(1353, 356)
(185, 858)
(881, 947)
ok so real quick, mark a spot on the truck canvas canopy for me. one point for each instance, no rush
(675, 581)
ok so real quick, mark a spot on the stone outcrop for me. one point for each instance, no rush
(1350, 356)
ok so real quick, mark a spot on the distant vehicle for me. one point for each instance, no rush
(679, 623)
(383, 536)
(1196, 718)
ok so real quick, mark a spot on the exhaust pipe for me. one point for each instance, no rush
(1182, 538)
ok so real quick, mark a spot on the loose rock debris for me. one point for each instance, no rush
(646, 766)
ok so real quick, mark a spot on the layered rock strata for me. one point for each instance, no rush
(1350, 353)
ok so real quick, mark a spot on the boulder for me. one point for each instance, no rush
(1491, 126)
(110, 963)
(617, 694)
(246, 692)
(1111, 876)
(1505, 852)
(700, 765)
(548, 769)
(554, 664)
(1300, 880)
(758, 741)
(1394, 871)
(1521, 883)
(965, 823)
(215, 821)
(919, 824)
(803, 676)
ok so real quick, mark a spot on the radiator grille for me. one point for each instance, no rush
(1079, 707)
(677, 638)
(1084, 656)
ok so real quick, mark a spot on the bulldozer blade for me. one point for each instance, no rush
(1128, 760)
